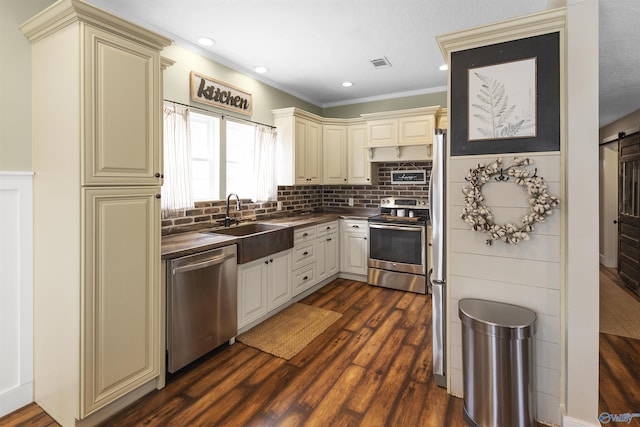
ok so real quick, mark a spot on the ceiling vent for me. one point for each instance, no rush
(380, 63)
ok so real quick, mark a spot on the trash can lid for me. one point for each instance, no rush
(497, 319)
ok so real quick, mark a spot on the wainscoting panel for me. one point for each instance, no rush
(16, 291)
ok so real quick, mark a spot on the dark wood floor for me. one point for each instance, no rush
(371, 368)
(619, 364)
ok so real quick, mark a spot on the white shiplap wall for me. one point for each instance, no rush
(527, 274)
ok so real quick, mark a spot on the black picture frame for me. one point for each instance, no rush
(546, 49)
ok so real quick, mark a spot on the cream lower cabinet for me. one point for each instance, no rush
(121, 298)
(305, 256)
(264, 285)
(354, 246)
(328, 244)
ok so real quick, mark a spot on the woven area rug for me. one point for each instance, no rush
(619, 311)
(289, 331)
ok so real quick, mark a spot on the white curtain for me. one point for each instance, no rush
(264, 164)
(176, 191)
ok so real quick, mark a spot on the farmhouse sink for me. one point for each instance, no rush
(258, 239)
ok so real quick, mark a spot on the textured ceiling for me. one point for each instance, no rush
(311, 46)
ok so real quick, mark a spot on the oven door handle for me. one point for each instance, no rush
(416, 228)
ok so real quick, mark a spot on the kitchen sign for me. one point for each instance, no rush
(414, 176)
(207, 90)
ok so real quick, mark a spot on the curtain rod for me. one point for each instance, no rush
(221, 115)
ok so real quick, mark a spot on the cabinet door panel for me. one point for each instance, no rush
(334, 159)
(354, 256)
(332, 254)
(314, 153)
(122, 111)
(252, 291)
(121, 292)
(280, 279)
(301, 149)
(416, 130)
(383, 133)
(359, 169)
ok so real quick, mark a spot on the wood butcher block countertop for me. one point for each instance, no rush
(181, 244)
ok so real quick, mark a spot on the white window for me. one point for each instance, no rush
(205, 156)
(227, 156)
(240, 159)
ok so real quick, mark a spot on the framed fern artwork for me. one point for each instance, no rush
(505, 98)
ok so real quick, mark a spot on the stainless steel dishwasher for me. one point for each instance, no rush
(201, 304)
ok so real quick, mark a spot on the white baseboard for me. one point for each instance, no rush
(16, 398)
(572, 422)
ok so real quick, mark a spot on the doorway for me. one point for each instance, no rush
(619, 338)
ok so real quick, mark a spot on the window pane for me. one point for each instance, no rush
(240, 169)
(205, 156)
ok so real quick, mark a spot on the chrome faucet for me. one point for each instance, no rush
(227, 219)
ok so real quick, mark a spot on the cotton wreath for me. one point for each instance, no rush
(479, 215)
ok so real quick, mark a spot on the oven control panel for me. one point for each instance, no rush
(393, 202)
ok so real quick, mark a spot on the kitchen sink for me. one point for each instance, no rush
(258, 239)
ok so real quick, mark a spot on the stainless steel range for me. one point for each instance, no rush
(398, 245)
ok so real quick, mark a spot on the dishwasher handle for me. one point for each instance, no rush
(203, 264)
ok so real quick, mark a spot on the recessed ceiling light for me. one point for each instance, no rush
(260, 70)
(347, 84)
(444, 67)
(206, 41)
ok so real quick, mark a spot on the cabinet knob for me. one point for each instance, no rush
(158, 196)
(270, 260)
(305, 253)
(328, 240)
(305, 278)
(266, 262)
(157, 175)
(305, 235)
(365, 238)
(355, 226)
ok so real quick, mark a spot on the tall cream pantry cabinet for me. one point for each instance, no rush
(97, 158)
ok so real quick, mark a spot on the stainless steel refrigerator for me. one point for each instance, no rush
(438, 254)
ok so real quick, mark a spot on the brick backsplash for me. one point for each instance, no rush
(296, 199)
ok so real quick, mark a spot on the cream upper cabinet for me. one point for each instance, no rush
(401, 128)
(298, 147)
(121, 110)
(359, 167)
(416, 130)
(334, 159)
(96, 81)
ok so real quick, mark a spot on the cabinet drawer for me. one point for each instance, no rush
(326, 228)
(354, 226)
(304, 254)
(304, 235)
(304, 278)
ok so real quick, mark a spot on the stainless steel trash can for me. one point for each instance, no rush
(498, 363)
